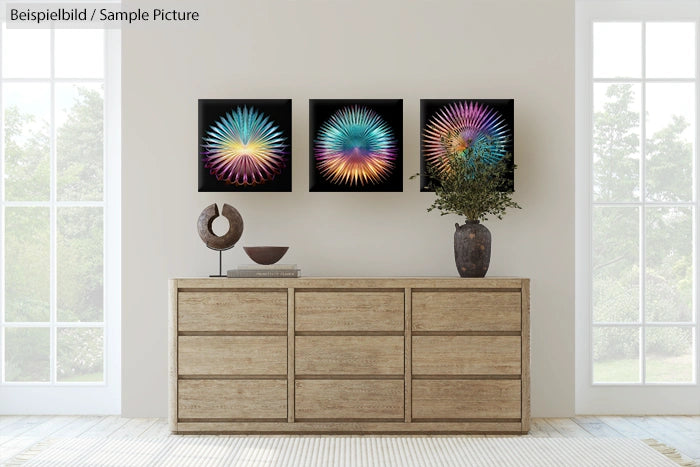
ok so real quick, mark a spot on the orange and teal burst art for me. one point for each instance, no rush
(355, 145)
(244, 145)
(452, 126)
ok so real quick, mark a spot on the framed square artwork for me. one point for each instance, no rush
(451, 126)
(356, 145)
(245, 145)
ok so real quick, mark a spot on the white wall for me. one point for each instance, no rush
(303, 49)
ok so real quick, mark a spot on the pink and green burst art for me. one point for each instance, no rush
(451, 127)
(355, 146)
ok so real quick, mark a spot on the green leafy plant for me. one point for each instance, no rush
(471, 187)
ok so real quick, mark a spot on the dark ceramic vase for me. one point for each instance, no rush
(472, 249)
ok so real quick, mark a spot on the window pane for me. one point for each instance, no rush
(79, 264)
(669, 265)
(27, 354)
(73, 46)
(26, 264)
(617, 50)
(615, 355)
(615, 264)
(79, 354)
(670, 50)
(79, 144)
(670, 135)
(669, 355)
(26, 53)
(616, 142)
(26, 108)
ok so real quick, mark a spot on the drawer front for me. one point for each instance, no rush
(232, 311)
(455, 399)
(349, 355)
(226, 399)
(232, 355)
(349, 311)
(466, 355)
(465, 311)
(349, 400)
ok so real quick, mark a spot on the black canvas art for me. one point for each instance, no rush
(356, 145)
(245, 145)
(450, 126)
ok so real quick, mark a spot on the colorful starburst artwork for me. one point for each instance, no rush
(244, 145)
(244, 148)
(355, 145)
(452, 126)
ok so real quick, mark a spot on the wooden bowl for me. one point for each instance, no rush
(265, 254)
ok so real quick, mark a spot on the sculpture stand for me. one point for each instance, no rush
(221, 272)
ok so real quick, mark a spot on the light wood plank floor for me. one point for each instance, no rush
(18, 433)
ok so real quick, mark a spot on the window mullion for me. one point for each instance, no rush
(52, 217)
(591, 202)
(106, 96)
(55, 80)
(696, 180)
(640, 80)
(649, 325)
(642, 211)
(665, 204)
(2, 220)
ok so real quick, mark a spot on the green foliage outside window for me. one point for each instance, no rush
(79, 241)
(668, 270)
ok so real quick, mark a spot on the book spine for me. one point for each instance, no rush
(252, 273)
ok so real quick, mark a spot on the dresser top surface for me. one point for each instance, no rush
(354, 282)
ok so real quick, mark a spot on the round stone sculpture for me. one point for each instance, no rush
(227, 240)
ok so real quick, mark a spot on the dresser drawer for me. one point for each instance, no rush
(465, 311)
(349, 400)
(232, 311)
(349, 355)
(227, 399)
(466, 355)
(232, 355)
(460, 399)
(349, 311)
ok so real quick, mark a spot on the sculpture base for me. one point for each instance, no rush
(221, 272)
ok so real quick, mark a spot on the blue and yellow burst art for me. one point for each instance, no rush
(244, 145)
(452, 126)
(355, 145)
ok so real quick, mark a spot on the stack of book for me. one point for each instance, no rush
(259, 270)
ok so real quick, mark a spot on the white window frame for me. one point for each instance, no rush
(78, 398)
(635, 398)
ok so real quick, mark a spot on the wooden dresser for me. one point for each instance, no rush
(341, 355)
